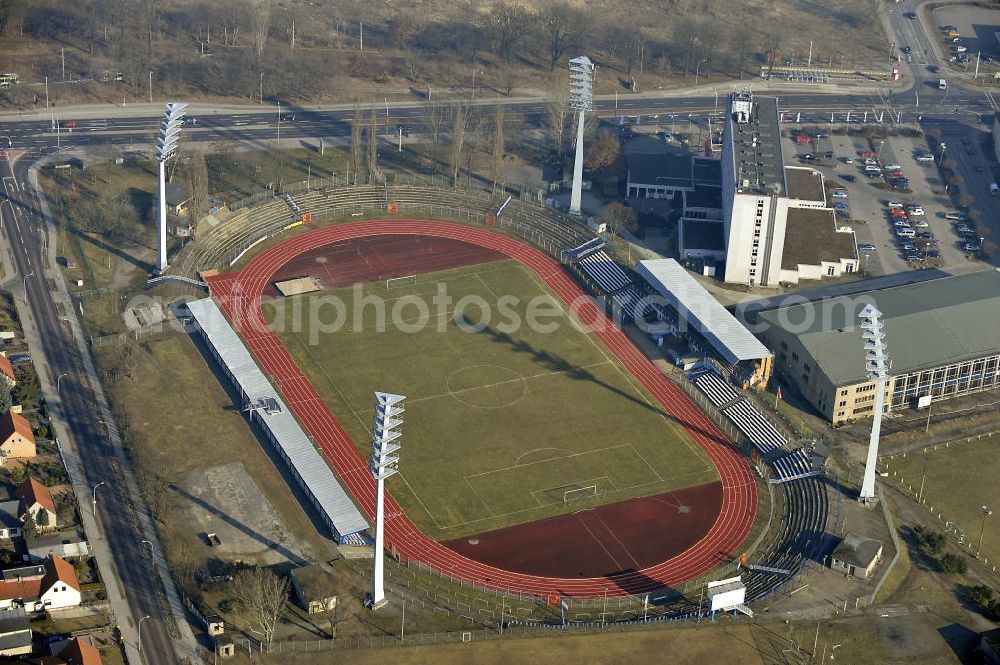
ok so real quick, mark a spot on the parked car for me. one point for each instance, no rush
(927, 235)
(822, 135)
(901, 224)
(848, 160)
(891, 167)
(906, 49)
(955, 215)
(924, 157)
(934, 254)
(921, 224)
(840, 205)
(971, 247)
(865, 153)
(849, 178)
(893, 203)
(898, 173)
(915, 210)
(870, 161)
(866, 247)
(839, 194)
(69, 124)
(906, 233)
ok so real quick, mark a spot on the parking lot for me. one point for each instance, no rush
(977, 26)
(868, 199)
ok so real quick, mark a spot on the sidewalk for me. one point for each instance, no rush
(186, 645)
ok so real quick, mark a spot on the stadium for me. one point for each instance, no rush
(533, 463)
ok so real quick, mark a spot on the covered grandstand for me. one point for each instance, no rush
(706, 324)
(267, 409)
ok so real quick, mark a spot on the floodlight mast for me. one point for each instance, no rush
(877, 367)
(384, 463)
(166, 147)
(581, 98)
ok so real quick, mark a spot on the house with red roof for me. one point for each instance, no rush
(7, 370)
(36, 500)
(16, 438)
(59, 587)
(77, 651)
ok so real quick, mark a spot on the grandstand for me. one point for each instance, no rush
(604, 272)
(793, 466)
(764, 436)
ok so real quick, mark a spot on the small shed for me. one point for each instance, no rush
(225, 647)
(314, 588)
(857, 555)
(178, 199)
(214, 625)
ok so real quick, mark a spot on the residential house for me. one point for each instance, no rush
(23, 573)
(10, 523)
(313, 587)
(15, 633)
(16, 439)
(36, 500)
(58, 588)
(77, 651)
(7, 370)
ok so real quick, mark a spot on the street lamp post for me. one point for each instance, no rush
(604, 613)
(150, 543)
(697, 71)
(59, 380)
(138, 641)
(94, 502)
(982, 530)
(24, 282)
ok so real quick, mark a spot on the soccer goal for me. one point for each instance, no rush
(587, 492)
(400, 281)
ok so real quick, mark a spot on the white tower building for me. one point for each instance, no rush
(384, 463)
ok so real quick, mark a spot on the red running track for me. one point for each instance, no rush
(238, 294)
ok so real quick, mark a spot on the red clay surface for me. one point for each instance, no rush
(239, 294)
(601, 542)
(363, 260)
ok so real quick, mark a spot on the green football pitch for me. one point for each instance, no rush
(504, 423)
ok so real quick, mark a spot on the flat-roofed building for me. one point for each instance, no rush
(760, 200)
(941, 336)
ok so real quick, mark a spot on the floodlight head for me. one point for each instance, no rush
(581, 83)
(170, 129)
(873, 334)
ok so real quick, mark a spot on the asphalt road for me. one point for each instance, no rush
(24, 225)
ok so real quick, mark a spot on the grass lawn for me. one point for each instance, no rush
(179, 419)
(499, 423)
(960, 480)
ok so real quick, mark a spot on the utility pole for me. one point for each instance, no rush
(976, 75)
(362, 38)
(151, 87)
(260, 95)
(809, 62)
(64, 63)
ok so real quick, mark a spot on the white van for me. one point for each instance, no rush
(955, 215)
(942, 85)
(905, 233)
(994, 189)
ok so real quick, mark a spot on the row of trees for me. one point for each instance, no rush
(292, 51)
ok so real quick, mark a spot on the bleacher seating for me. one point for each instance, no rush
(586, 249)
(793, 466)
(764, 436)
(630, 303)
(605, 272)
(719, 393)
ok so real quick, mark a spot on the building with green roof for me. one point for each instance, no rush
(942, 337)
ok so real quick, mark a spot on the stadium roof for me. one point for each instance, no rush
(927, 324)
(313, 471)
(702, 311)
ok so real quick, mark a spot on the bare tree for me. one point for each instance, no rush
(620, 218)
(356, 129)
(560, 24)
(261, 25)
(373, 172)
(499, 142)
(197, 181)
(507, 21)
(262, 597)
(437, 113)
(457, 141)
(556, 113)
(149, 23)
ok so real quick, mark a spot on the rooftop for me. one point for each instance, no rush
(756, 145)
(704, 197)
(664, 169)
(928, 324)
(313, 471)
(176, 194)
(9, 514)
(31, 492)
(11, 423)
(702, 234)
(23, 573)
(314, 582)
(811, 237)
(702, 311)
(804, 184)
(857, 550)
